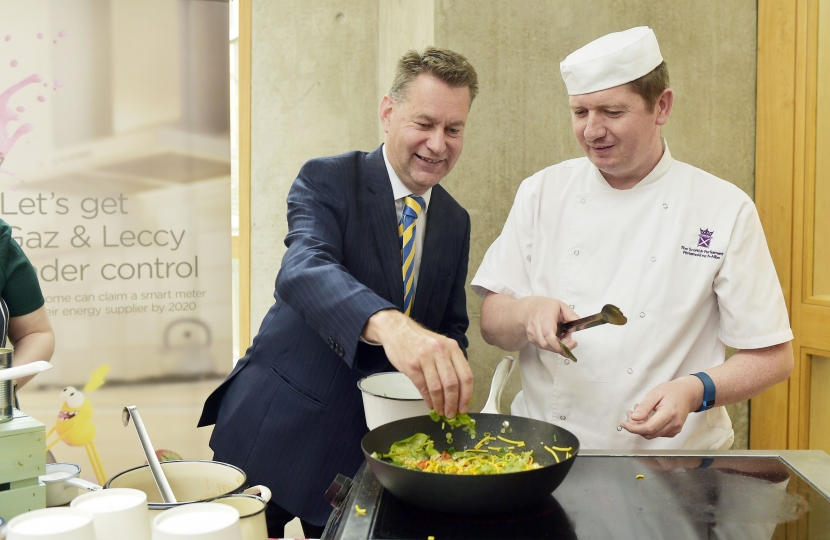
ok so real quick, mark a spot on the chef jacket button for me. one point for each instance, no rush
(571, 306)
(653, 259)
(619, 428)
(582, 201)
(567, 361)
(576, 252)
(562, 417)
(630, 371)
(642, 314)
(665, 205)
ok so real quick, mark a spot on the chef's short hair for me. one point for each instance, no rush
(445, 65)
(651, 85)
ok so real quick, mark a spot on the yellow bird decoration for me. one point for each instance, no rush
(74, 425)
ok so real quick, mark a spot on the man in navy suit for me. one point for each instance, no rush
(290, 414)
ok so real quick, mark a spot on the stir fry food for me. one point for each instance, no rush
(491, 455)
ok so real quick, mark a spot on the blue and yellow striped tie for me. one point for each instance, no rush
(412, 207)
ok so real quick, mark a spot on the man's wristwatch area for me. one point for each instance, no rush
(708, 391)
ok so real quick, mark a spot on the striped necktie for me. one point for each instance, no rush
(412, 207)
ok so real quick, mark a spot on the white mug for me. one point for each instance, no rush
(251, 514)
(198, 521)
(117, 514)
(52, 524)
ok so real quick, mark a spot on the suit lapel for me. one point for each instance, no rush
(383, 219)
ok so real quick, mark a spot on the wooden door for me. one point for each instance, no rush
(793, 198)
(812, 313)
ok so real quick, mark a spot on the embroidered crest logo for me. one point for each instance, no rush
(705, 238)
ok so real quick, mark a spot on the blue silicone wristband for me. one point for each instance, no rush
(708, 391)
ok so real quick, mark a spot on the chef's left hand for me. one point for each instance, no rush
(663, 411)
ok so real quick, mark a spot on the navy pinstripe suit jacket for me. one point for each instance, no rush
(290, 414)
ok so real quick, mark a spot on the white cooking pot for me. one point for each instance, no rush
(190, 481)
(63, 484)
(388, 397)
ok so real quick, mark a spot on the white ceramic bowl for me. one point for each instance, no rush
(388, 397)
(198, 521)
(52, 524)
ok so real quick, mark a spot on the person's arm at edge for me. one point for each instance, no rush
(746, 374)
(33, 339)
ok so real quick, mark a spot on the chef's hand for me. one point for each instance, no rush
(541, 317)
(433, 362)
(663, 411)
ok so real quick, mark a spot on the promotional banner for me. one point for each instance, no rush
(115, 177)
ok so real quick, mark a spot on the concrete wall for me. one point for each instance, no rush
(314, 93)
(320, 68)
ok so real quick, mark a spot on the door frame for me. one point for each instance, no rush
(243, 243)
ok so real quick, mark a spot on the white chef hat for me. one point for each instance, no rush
(611, 60)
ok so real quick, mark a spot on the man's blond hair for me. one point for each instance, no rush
(443, 64)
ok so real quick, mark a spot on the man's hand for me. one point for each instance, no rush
(663, 411)
(541, 318)
(434, 363)
(511, 324)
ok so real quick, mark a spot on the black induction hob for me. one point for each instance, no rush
(727, 495)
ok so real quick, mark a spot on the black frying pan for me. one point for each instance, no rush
(495, 493)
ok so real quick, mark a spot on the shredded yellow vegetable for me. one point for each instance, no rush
(568, 449)
(509, 441)
(552, 452)
(359, 511)
(487, 438)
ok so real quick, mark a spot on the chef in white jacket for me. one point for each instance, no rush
(679, 251)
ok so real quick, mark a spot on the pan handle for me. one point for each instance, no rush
(500, 376)
(83, 484)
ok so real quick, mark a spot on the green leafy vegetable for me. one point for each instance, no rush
(460, 420)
